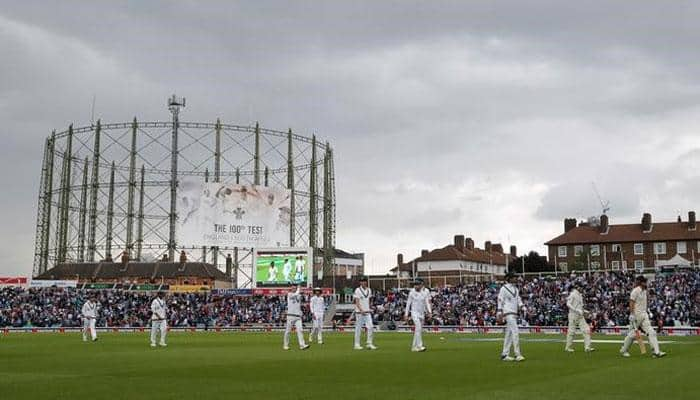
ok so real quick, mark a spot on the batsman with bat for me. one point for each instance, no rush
(639, 321)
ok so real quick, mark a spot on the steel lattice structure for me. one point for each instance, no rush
(109, 188)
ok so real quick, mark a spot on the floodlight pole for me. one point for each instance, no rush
(131, 192)
(174, 105)
(290, 186)
(139, 227)
(83, 212)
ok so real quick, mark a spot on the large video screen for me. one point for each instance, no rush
(229, 215)
(282, 267)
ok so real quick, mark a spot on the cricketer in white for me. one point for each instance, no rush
(577, 319)
(639, 319)
(363, 314)
(159, 315)
(418, 304)
(89, 313)
(509, 304)
(294, 319)
(318, 308)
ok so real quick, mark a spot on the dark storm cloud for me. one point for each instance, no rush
(490, 119)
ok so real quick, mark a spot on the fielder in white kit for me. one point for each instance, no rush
(294, 314)
(418, 304)
(89, 313)
(577, 319)
(639, 319)
(318, 308)
(159, 315)
(509, 304)
(363, 314)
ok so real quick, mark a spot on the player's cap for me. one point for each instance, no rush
(317, 290)
(364, 279)
(160, 294)
(418, 281)
(640, 278)
(510, 275)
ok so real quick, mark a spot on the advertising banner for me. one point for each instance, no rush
(217, 214)
(189, 288)
(13, 281)
(145, 287)
(282, 267)
(232, 292)
(285, 290)
(51, 283)
(98, 286)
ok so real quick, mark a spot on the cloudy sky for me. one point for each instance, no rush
(489, 119)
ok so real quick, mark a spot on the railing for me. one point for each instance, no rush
(552, 330)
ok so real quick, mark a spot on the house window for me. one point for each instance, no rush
(660, 248)
(562, 251)
(681, 248)
(639, 265)
(624, 266)
(595, 265)
(615, 265)
(578, 250)
(595, 250)
(616, 248)
(564, 267)
(638, 249)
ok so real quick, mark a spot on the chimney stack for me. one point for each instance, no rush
(604, 223)
(691, 220)
(459, 242)
(569, 224)
(469, 243)
(513, 251)
(487, 246)
(646, 222)
(497, 248)
(399, 259)
(424, 252)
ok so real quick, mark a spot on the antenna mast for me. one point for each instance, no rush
(604, 205)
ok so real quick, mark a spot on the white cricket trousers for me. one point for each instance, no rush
(642, 323)
(363, 320)
(317, 328)
(577, 321)
(512, 336)
(89, 326)
(158, 325)
(296, 323)
(417, 330)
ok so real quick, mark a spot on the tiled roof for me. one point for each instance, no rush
(108, 270)
(338, 253)
(664, 231)
(452, 253)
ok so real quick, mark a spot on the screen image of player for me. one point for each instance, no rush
(281, 269)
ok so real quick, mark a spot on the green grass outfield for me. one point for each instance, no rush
(200, 366)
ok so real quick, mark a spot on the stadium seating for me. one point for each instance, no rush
(674, 300)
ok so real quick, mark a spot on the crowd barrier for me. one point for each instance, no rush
(544, 330)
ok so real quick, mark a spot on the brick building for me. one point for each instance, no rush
(344, 264)
(457, 260)
(646, 245)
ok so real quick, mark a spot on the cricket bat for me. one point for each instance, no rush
(640, 342)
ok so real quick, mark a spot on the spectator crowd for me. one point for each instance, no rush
(674, 300)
